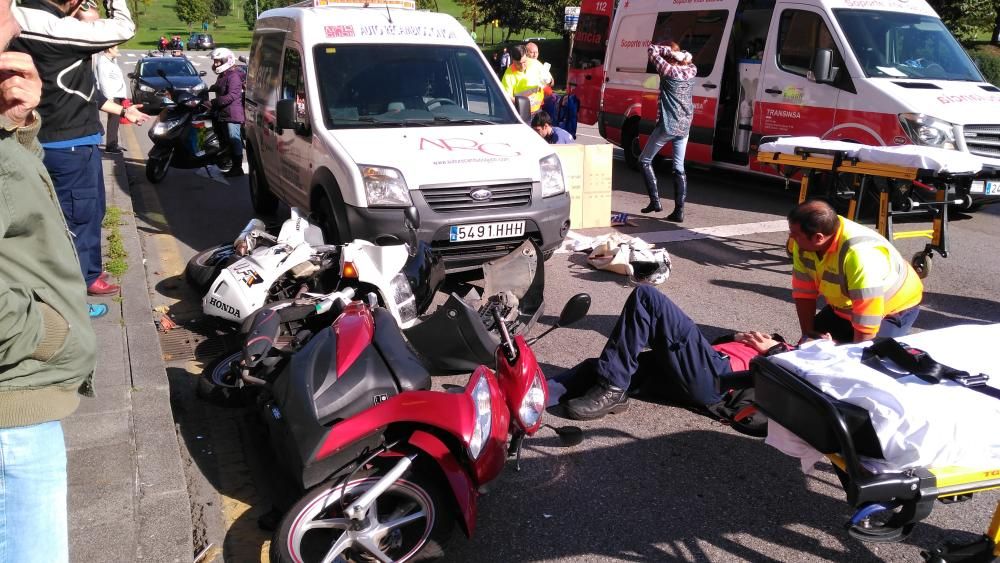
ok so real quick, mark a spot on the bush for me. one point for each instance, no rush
(988, 61)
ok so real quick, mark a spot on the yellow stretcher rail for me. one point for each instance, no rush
(894, 194)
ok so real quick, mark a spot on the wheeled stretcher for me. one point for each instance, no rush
(917, 182)
(898, 443)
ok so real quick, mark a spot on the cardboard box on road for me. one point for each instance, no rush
(587, 169)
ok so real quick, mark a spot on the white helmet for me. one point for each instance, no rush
(222, 60)
(649, 267)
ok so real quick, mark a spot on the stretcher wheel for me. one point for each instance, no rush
(873, 523)
(922, 264)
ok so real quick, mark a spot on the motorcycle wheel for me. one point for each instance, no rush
(413, 519)
(156, 169)
(220, 372)
(205, 266)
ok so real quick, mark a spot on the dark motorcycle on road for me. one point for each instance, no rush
(387, 466)
(183, 135)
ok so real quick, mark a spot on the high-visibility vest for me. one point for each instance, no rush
(524, 83)
(861, 276)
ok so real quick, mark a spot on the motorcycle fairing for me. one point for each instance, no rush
(425, 271)
(522, 272)
(243, 286)
(458, 479)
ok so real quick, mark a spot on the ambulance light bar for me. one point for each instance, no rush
(404, 4)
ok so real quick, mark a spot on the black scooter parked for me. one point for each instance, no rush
(183, 135)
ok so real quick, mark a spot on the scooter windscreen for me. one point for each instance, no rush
(425, 272)
(458, 337)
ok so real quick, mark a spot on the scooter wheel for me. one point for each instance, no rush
(205, 266)
(219, 383)
(414, 521)
(156, 169)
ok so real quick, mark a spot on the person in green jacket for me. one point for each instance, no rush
(47, 344)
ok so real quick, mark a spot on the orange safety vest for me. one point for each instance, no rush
(861, 276)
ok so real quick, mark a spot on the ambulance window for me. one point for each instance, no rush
(799, 35)
(293, 87)
(699, 32)
(262, 72)
(590, 41)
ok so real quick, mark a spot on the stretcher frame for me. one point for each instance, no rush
(945, 188)
(843, 432)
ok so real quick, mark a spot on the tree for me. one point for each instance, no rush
(967, 18)
(192, 11)
(138, 7)
(522, 15)
(220, 8)
(250, 7)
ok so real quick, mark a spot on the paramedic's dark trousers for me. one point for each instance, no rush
(682, 363)
(893, 326)
(78, 177)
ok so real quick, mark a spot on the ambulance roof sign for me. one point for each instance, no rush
(404, 4)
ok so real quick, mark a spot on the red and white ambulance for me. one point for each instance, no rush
(586, 65)
(880, 72)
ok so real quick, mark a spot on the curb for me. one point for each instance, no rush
(163, 511)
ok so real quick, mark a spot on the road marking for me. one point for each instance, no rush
(591, 136)
(698, 233)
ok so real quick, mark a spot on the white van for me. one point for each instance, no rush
(355, 113)
(879, 72)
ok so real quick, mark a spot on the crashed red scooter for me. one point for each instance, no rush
(389, 466)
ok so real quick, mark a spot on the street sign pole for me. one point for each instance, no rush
(570, 21)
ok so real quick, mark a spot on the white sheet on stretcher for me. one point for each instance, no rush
(941, 161)
(918, 424)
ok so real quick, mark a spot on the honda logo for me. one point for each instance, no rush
(480, 194)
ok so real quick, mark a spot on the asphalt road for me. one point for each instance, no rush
(657, 483)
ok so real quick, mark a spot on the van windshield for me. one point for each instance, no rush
(407, 85)
(901, 45)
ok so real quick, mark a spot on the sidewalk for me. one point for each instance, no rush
(128, 499)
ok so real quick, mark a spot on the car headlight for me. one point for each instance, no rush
(552, 176)
(144, 88)
(929, 131)
(482, 404)
(199, 87)
(384, 186)
(533, 403)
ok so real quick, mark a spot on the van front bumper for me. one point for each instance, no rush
(546, 222)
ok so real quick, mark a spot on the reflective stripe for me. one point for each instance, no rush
(808, 263)
(844, 248)
(835, 279)
(866, 293)
(803, 276)
(866, 320)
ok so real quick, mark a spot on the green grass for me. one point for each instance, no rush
(160, 19)
(117, 263)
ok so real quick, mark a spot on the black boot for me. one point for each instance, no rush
(600, 400)
(654, 194)
(680, 194)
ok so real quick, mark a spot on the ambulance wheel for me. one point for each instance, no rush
(922, 264)
(630, 145)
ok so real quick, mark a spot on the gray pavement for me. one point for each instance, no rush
(128, 498)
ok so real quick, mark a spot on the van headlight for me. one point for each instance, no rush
(928, 131)
(482, 405)
(384, 186)
(552, 176)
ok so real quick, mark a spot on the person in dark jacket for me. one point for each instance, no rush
(674, 112)
(48, 349)
(62, 36)
(228, 102)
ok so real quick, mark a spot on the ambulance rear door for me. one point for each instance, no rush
(586, 70)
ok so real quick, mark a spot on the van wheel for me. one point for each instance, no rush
(261, 198)
(630, 145)
(326, 217)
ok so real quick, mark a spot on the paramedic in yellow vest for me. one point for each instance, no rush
(870, 290)
(522, 79)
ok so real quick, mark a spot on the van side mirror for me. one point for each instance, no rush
(523, 105)
(285, 111)
(822, 68)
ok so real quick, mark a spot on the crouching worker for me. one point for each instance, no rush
(681, 363)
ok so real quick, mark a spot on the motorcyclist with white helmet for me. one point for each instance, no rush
(228, 103)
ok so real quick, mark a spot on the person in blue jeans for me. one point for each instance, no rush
(681, 363)
(44, 363)
(674, 112)
(228, 102)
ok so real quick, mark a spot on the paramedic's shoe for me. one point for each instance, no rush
(602, 399)
(102, 287)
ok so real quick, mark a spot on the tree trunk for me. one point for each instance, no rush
(996, 27)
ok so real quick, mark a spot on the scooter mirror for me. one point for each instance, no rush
(412, 217)
(575, 309)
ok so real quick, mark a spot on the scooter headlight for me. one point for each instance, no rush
(929, 131)
(533, 403)
(402, 295)
(144, 88)
(552, 176)
(482, 404)
(384, 186)
(163, 127)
